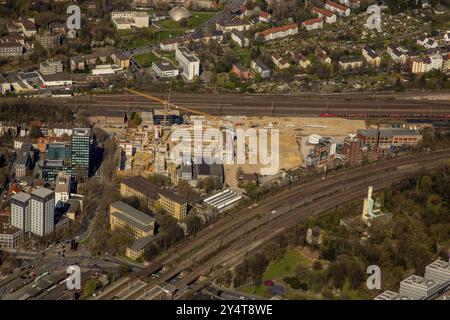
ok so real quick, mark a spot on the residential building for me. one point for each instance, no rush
(438, 271)
(350, 62)
(151, 194)
(81, 153)
(428, 43)
(398, 54)
(189, 62)
(50, 67)
(304, 62)
(21, 211)
(227, 25)
(62, 189)
(26, 26)
(329, 16)
(10, 49)
(427, 64)
(337, 8)
(260, 68)
(313, 24)
(120, 59)
(417, 287)
(447, 36)
(10, 236)
(49, 40)
(446, 64)
(173, 43)
(5, 85)
(279, 61)
(42, 211)
(24, 160)
(264, 17)
(240, 71)
(351, 3)
(277, 32)
(165, 69)
(322, 56)
(240, 38)
(384, 138)
(135, 222)
(371, 56)
(124, 20)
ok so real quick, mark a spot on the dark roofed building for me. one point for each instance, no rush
(169, 201)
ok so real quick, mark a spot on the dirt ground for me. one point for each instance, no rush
(293, 135)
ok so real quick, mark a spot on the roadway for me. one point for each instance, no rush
(226, 241)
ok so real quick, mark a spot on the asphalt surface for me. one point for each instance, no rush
(228, 240)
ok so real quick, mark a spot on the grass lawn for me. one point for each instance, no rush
(197, 19)
(146, 59)
(149, 37)
(245, 54)
(278, 269)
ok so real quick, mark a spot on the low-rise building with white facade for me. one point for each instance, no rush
(165, 69)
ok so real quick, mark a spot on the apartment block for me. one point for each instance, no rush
(21, 211)
(42, 211)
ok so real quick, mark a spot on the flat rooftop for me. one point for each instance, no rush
(42, 192)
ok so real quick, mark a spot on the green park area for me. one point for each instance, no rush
(145, 60)
(197, 19)
(279, 269)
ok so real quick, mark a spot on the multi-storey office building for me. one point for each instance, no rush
(81, 153)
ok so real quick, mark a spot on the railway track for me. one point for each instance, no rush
(221, 233)
(283, 222)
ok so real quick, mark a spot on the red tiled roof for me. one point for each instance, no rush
(14, 189)
(322, 12)
(264, 14)
(337, 5)
(278, 29)
(312, 21)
